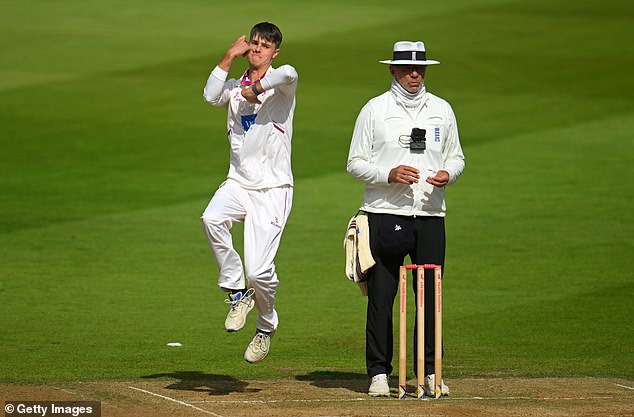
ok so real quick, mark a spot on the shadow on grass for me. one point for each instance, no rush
(330, 379)
(200, 382)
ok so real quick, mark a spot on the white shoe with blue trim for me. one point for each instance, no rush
(241, 304)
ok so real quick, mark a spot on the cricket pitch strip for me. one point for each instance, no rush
(197, 394)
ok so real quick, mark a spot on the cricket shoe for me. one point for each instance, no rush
(259, 347)
(430, 387)
(241, 304)
(379, 386)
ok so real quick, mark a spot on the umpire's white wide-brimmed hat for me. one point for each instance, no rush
(409, 53)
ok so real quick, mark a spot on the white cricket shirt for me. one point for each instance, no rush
(259, 134)
(380, 142)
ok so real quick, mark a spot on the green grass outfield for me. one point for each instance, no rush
(108, 155)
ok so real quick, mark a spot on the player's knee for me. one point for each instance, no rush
(262, 276)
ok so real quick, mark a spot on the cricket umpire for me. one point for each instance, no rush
(405, 148)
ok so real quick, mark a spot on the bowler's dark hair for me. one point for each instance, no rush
(268, 32)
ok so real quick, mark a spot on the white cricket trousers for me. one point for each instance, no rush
(264, 213)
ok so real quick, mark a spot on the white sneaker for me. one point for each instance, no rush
(379, 386)
(430, 386)
(241, 304)
(258, 348)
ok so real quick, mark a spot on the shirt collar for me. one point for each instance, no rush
(245, 77)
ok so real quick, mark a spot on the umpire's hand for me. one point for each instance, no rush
(403, 174)
(440, 179)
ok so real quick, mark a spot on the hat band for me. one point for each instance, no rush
(409, 56)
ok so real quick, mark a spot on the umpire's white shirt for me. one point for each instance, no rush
(380, 142)
(259, 134)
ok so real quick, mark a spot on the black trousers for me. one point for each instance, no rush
(392, 238)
